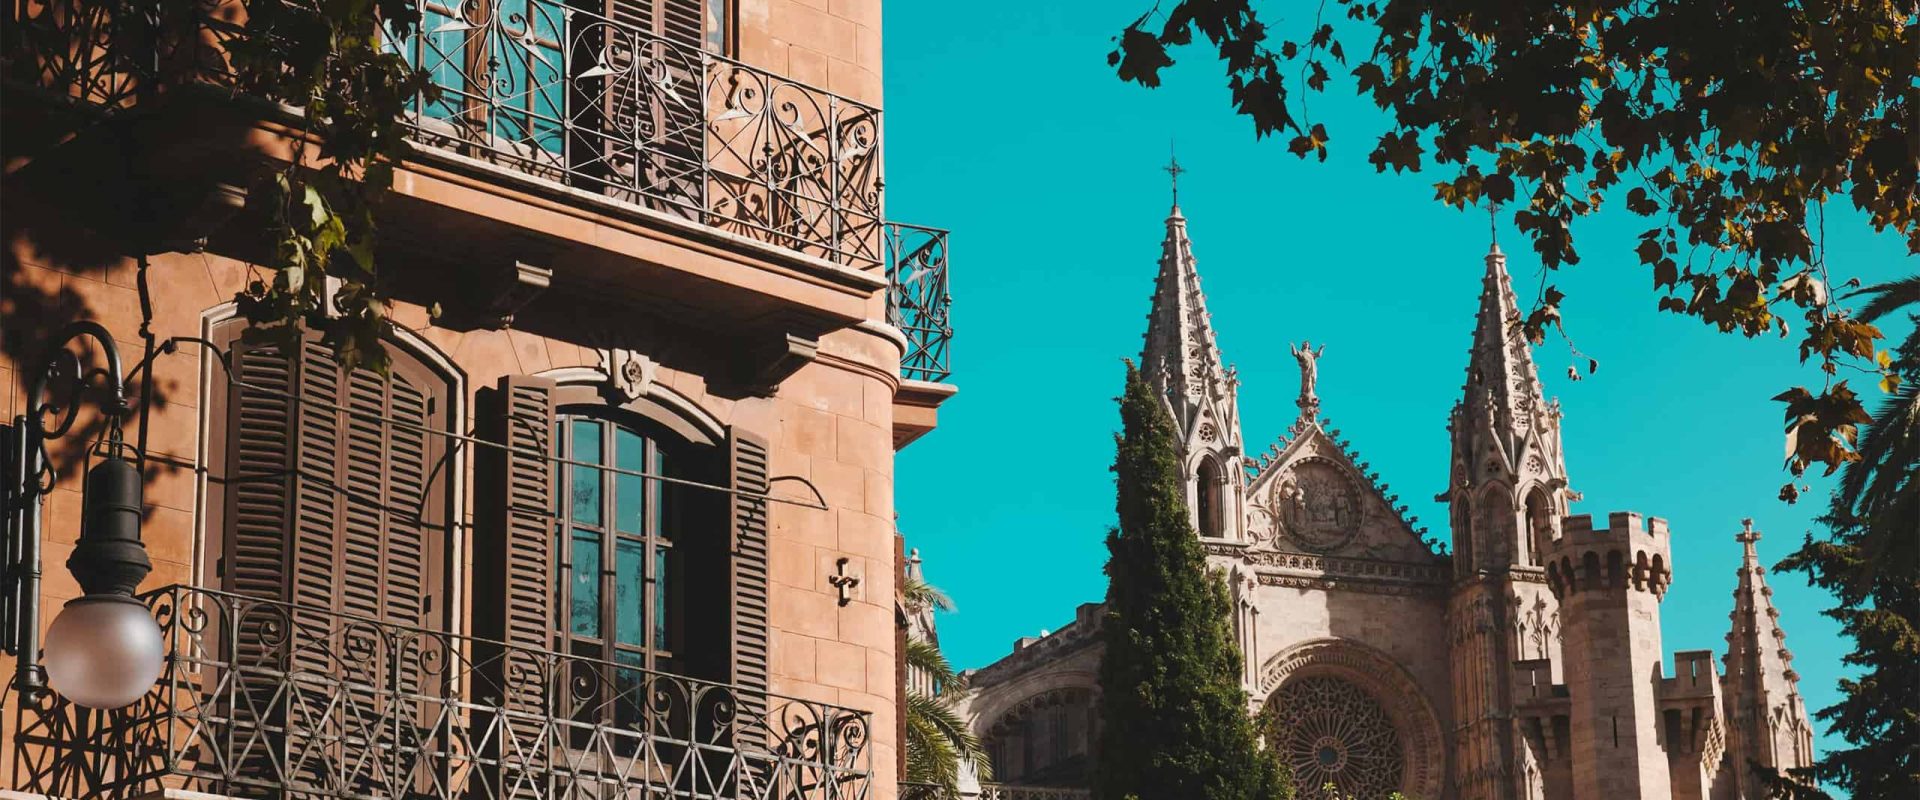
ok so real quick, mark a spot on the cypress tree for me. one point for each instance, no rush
(1175, 718)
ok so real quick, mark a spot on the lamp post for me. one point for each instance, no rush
(103, 650)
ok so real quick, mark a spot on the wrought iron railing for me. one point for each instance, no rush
(990, 791)
(1002, 791)
(265, 699)
(550, 90)
(918, 300)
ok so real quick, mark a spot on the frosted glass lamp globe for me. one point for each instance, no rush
(104, 651)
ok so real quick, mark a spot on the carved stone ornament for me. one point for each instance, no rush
(629, 374)
(1317, 506)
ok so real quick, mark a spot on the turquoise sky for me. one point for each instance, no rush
(1004, 124)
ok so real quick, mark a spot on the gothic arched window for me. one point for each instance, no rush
(1207, 486)
(1462, 539)
(1539, 526)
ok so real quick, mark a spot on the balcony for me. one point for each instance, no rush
(918, 301)
(264, 699)
(734, 192)
(991, 791)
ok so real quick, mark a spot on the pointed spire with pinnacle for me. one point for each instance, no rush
(1500, 368)
(1181, 360)
(1764, 709)
(1181, 357)
(1504, 433)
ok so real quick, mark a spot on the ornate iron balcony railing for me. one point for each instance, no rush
(990, 791)
(549, 90)
(918, 300)
(1001, 791)
(266, 699)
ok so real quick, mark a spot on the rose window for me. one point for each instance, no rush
(1333, 733)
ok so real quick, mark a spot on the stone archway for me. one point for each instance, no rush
(1343, 713)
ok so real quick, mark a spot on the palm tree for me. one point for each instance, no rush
(938, 740)
(1872, 565)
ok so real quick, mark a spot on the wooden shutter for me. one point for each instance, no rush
(513, 576)
(747, 453)
(335, 503)
(329, 505)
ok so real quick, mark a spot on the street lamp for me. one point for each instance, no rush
(103, 650)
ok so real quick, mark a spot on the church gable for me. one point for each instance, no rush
(1313, 497)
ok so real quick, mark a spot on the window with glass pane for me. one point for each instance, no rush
(521, 98)
(617, 572)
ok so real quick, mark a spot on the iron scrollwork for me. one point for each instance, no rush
(918, 300)
(264, 698)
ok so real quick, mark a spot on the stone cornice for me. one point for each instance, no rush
(1301, 570)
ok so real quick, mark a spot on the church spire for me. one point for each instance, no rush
(1764, 709)
(1182, 357)
(1500, 367)
(1505, 434)
(1182, 362)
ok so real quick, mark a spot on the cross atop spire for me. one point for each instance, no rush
(1174, 169)
(1493, 225)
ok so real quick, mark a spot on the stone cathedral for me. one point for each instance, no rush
(1525, 663)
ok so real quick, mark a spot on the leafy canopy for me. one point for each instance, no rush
(326, 58)
(1175, 720)
(1726, 124)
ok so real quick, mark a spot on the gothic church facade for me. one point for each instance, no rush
(1527, 662)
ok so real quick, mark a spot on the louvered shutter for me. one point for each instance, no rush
(335, 503)
(747, 453)
(259, 494)
(513, 578)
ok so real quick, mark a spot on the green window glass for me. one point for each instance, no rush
(615, 579)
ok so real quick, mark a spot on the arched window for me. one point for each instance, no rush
(329, 504)
(590, 554)
(1539, 526)
(620, 579)
(1462, 538)
(327, 489)
(1207, 486)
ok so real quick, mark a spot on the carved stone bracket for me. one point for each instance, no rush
(184, 216)
(503, 289)
(774, 362)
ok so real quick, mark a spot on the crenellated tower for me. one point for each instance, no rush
(1182, 360)
(1766, 718)
(1609, 582)
(1506, 492)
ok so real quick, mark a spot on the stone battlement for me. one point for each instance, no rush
(1622, 526)
(1533, 682)
(1630, 552)
(1694, 676)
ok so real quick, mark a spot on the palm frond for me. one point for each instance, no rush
(938, 741)
(1888, 297)
(920, 596)
(926, 657)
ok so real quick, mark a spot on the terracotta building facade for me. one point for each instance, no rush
(1523, 663)
(619, 519)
